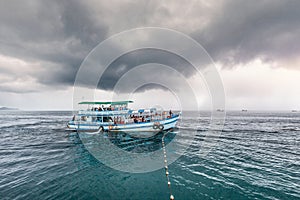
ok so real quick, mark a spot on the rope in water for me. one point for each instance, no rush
(166, 166)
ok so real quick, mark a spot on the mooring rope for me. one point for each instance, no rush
(166, 166)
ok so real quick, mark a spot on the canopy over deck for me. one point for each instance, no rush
(105, 102)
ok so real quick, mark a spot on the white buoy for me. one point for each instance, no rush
(166, 168)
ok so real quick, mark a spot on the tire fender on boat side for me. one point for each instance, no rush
(155, 126)
(161, 127)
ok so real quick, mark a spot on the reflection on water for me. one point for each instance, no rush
(130, 143)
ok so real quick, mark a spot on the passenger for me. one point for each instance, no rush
(73, 119)
(170, 113)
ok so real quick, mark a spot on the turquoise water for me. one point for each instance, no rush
(256, 157)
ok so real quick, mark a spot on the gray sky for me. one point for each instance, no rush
(255, 45)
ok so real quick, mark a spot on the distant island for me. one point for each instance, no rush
(6, 108)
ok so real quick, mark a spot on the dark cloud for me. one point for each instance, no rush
(58, 35)
(245, 30)
(135, 58)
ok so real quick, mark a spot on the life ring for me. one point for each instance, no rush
(155, 126)
(110, 127)
(161, 127)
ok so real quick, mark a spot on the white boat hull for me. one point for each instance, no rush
(154, 126)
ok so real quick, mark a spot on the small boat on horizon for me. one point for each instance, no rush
(116, 116)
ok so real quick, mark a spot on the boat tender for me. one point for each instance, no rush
(116, 116)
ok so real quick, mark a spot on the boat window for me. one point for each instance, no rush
(99, 119)
(107, 119)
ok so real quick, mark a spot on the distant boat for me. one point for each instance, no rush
(116, 116)
(220, 110)
(294, 111)
(244, 110)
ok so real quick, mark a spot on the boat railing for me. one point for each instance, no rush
(113, 112)
(127, 120)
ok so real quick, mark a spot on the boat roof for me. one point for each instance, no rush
(106, 102)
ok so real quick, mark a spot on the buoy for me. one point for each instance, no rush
(166, 167)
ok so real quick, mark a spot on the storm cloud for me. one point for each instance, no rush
(245, 30)
(52, 38)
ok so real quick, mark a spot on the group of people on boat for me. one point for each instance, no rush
(137, 119)
(109, 108)
(100, 108)
(147, 118)
(123, 120)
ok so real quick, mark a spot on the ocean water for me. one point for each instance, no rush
(257, 156)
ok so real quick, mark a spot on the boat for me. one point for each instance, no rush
(116, 116)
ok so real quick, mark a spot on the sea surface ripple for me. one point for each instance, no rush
(257, 156)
